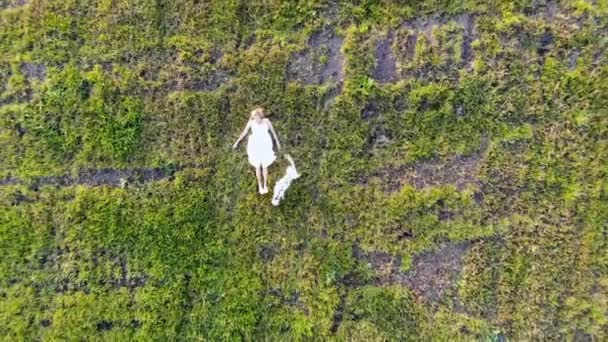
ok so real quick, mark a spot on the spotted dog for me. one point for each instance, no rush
(283, 184)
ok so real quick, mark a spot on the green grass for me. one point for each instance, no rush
(504, 121)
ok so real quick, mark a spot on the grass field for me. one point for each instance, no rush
(454, 160)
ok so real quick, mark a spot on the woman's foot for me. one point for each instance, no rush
(261, 189)
(264, 190)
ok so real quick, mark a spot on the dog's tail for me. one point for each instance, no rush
(288, 157)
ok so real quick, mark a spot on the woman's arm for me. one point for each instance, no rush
(274, 134)
(242, 135)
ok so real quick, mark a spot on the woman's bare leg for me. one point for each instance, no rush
(258, 175)
(265, 169)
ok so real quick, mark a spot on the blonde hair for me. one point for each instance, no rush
(259, 110)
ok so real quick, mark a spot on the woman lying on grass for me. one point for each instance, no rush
(259, 146)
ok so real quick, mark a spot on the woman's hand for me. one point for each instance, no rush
(274, 134)
(236, 144)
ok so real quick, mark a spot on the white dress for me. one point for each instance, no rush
(259, 145)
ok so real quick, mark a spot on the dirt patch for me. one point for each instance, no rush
(434, 274)
(12, 3)
(292, 300)
(104, 325)
(202, 72)
(459, 171)
(333, 10)
(573, 59)
(20, 130)
(545, 43)
(267, 253)
(329, 97)
(114, 177)
(468, 22)
(438, 60)
(5, 101)
(543, 9)
(551, 10)
(245, 43)
(380, 138)
(135, 324)
(386, 68)
(109, 177)
(320, 62)
(333, 68)
(426, 24)
(405, 45)
(55, 257)
(384, 265)
(370, 111)
(10, 181)
(18, 197)
(431, 275)
(339, 314)
(4, 76)
(33, 70)
(130, 282)
(185, 82)
(379, 135)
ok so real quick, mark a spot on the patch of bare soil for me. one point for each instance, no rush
(244, 43)
(332, 10)
(68, 283)
(12, 3)
(33, 70)
(110, 177)
(426, 24)
(380, 138)
(573, 59)
(320, 62)
(206, 73)
(4, 76)
(434, 274)
(292, 300)
(431, 276)
(329, 97)
(545, 43)
(370, 111)
(468, 22)
(386, 68)
(405, 45)
(551, 10)
(543, 9)
(267, 253)
(104, 325)
(460, 171)
(409, 34)
(210, 82)
(10, 180)
(125, 280)
(6, 101)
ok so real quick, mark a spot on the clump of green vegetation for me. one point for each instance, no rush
(124, 213)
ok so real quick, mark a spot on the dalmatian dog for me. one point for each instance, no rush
(283, 184)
